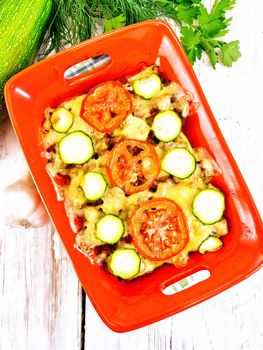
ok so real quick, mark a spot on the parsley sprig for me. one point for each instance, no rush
(201, 30)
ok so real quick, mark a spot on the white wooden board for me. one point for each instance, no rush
(40, 297)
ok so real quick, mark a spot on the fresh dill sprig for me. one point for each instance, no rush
(201, 31)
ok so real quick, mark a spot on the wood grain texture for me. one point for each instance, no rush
(40, 296)
(230, 321)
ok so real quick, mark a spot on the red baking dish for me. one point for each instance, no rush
(127, 305)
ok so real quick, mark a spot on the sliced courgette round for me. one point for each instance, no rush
(209, 206)
(210, 244)
(167, 125)
(125, 263)
(93, 185)
(148, 87)
(179, 162)
(61, 119)
(109, 229)
(75, 148)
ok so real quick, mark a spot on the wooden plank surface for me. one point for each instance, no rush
(230, 321)
(40, 297)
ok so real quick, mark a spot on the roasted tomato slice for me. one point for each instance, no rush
(159, 229)
(106, 106)
(133, 165)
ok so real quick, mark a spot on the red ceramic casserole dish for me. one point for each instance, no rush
(126, 305)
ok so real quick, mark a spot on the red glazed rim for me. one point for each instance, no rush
(123, 305)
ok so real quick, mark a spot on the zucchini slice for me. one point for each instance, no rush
(75, 148)
(167, 125)
(61, 119)
(125, 263)
(109, 229)
(93, 185)
(179, 162)
(209, 206)
(210, 244)
(148, 87)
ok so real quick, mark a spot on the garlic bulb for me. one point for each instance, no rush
(22, 205)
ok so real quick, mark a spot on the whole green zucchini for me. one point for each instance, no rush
(23, 24)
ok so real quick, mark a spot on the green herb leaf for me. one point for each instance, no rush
(230, 53)
(210, 50)
(191, 42)
(210, 25)
(182, 11)
(187, 14)
(221, 6)
(115, 23)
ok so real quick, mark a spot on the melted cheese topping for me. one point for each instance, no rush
(114, 201)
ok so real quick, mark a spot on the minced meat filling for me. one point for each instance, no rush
(85, 214)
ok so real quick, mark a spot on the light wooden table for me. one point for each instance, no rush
(42, 304)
